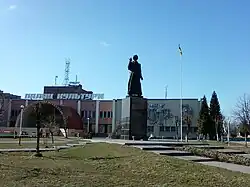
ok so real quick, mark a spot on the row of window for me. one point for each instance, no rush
(101, 128)
(92, 114)
(84, 114)
(171, 129)
(105, 114)
(88, 114)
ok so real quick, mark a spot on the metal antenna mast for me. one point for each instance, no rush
(74, 82)
(66, 72)
(166, 92)
(56, 77)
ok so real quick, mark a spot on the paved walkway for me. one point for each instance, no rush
(229, 166)
(146, 143)
(197, 159)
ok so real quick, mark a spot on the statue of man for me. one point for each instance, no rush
(134, 84)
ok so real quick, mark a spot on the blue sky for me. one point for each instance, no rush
(100, 35)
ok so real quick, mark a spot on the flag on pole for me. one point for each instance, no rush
(180, 50)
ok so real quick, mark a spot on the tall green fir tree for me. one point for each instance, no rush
(216, 126)
(204, 118)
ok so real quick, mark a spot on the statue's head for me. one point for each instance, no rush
(135, 57)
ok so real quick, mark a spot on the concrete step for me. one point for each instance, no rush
(74, 145)
(208, 147)
(230, 151)
(176, 144)
(173, 153)
(195, 158)
(62, 147)
(229, 166)
(154, 148)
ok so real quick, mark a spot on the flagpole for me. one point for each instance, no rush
(181, 96)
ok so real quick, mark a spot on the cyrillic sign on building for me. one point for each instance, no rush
(64, 96)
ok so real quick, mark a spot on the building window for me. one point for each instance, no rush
(164, 129)
(82, 113)
(184, 129)
(12, 112)
(93, 128)
(93, 114)
(89, 114)
(109, 114)
(194, 129)
(150, 128)
(172, 129)
(105, 114)
(85, 114)
(101, 114)
(101, 129)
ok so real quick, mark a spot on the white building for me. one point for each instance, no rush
(164, 117)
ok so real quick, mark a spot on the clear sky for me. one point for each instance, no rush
(99, 36)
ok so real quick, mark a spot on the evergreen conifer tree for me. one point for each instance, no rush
(216, 126)
(204, 118)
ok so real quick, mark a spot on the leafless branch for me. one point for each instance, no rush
(241, 112)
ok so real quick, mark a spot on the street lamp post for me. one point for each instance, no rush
(21, 122)
(88, 125)
(177, 129)
(228, 133)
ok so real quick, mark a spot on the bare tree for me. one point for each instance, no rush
(50, 123)
(241, 114)
(65, 126)
(188, 121)
(225, 125)
(38, 115)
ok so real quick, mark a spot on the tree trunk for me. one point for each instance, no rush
(66, 134)
(52, 137)
(177, 135)
(19, 139)
(217, 135)
(38, 128)
(188, 129)
(245, 139)
(38, 139)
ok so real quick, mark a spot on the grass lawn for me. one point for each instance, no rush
(110, 165)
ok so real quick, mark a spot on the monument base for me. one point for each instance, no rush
(134, 118)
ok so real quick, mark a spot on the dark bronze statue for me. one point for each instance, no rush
(134, 84)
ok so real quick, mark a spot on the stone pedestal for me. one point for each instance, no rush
(134, 118)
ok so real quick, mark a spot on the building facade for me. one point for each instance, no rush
(164, 117)
(102, 117)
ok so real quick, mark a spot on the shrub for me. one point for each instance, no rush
(222, 157)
